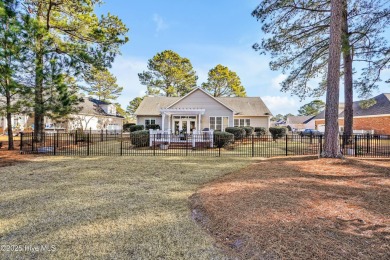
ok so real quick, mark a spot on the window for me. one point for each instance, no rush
(219, 122)
(150, 122)
(242, 122)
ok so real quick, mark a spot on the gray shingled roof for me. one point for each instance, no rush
(381, 107)
(248, 106)
(90, 106)
(298, 119)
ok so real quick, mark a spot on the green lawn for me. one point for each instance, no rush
(107, 207)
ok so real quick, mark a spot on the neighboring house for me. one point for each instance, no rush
(93, 114)
(300, 123)
(374, 119)
(199, 110)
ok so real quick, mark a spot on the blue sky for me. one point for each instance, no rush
(206, 32)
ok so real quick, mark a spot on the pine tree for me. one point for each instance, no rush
(170, 74)
(222, 82)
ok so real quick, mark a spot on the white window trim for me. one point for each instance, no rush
(150, 119)
(239, 125)
(222, 126)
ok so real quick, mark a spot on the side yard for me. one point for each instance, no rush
(300, 208)
(106, 207)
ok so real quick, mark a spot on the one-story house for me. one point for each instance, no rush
(199, 110)
(374, 119)
(93, 114)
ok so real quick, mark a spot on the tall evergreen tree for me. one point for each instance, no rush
(71, 35)
(170, 74)
(222, 82)
(312, 109)
(331, 145)
(103, 85)
(299, 40)
(12, 51)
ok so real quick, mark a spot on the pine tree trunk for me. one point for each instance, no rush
(348, 81)
(9, 121)
(38, 99)
(331, 145)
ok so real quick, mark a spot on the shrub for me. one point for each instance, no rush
(248, 130)
(260, 131)
(126, 127)
(238, 132)
(152, 126)
(277, 132)
(222, 139)
(140, 138)
(134, 128)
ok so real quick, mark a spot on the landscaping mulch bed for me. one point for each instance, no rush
(9, 158)
(300, 208)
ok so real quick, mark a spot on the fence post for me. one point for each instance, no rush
(32, 142)
(21, 142)
(186, 144)
(101, 135)
(55, 143)
(154, 144)
(320, 145)
(121, 147)
(253, 147)
(106, 134)
(75, 138)
(88, 144)
(286, 145)
(219, 145)
(356, 138)
(368, 142)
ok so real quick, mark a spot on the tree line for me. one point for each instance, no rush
(46, 48)
(171, 75)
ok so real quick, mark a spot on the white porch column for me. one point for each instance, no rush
(163, 121)
(169, 122)
(199, 120)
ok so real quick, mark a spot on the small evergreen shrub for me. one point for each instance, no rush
(140, 138)
(278, 132)
(238, 132)
(153, 126)
(248, 130)
(259, 131)
(126, 127)
(134, 128)
(222, 139)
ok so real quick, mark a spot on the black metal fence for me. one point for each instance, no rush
(126, 144)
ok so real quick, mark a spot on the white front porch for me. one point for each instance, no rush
(181, 120)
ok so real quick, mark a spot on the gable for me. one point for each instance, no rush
(199, 99)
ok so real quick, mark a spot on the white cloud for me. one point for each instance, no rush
(160, 23)
(281, 105)
(126, 70)
(276, 81)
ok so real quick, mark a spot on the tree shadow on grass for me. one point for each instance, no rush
(300, 209)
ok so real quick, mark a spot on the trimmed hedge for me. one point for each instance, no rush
(222, 139)
(140, 138)
(278, 132)
(238, 132)
(248, 130)
(134, 128)
(126, 127)
(260, 131)
(152, 126)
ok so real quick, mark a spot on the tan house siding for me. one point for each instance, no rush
(141, 120)
(257, 121)
(198, 99)
(380, 124)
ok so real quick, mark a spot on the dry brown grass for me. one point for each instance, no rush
(8, 158)
(300, 208)
(107, 207)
